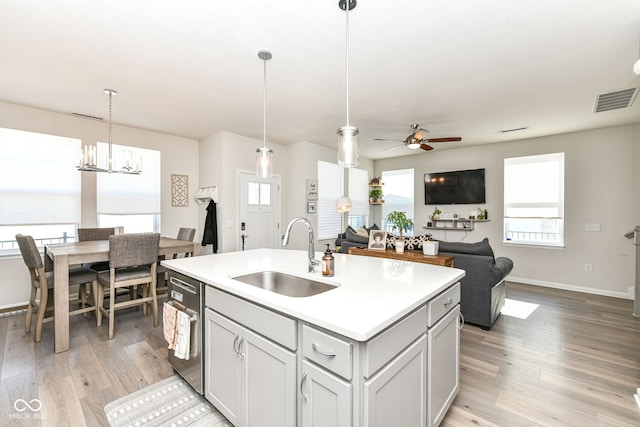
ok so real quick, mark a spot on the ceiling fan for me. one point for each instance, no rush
(418, 139)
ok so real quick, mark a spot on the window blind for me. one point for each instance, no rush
(39, 182)
(330, 185)
(119, 194)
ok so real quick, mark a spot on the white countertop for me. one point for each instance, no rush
(373, 293)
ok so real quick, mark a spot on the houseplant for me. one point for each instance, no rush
(375, 194)
(400, 222)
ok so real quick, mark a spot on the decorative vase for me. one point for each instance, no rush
(399, 246)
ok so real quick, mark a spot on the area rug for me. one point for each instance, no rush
(170, 402)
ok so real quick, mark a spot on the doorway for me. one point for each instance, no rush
(259, 211)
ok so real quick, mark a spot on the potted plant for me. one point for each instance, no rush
(400, 222)
(436, 214)
(375, 194)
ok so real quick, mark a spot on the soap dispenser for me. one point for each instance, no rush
(328, 263)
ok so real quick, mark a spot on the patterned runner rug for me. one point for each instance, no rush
(171, 402)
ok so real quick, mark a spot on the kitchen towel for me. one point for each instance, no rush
(183, 340)
(169, 324)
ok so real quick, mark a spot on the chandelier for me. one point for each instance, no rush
(89, 154)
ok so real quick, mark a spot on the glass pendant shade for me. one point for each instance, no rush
(348, 155)
(264, 162)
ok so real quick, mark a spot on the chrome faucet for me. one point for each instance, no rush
(285, 241)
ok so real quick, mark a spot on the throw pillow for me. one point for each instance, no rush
(362, 232)
(478, 248)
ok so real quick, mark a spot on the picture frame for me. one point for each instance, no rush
(311, 207)
(377, 240)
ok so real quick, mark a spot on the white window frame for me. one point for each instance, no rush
(40, 188)
(131, 201)
(534, 200)
(392, 200)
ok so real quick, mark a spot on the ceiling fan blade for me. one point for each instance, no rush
(426, 147)
(420, 134)
(384, 139)
(456, 139)
(393, 148)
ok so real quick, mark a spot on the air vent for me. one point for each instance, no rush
(615, 100)
(86, 116)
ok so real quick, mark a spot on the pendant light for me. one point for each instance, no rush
(264, 155)
(89, 155)
(347, 135)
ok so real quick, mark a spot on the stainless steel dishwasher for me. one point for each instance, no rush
(186, 294)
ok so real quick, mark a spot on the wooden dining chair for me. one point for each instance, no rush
(43, 281)
(133, 260)
(187, 234)
(90, 234)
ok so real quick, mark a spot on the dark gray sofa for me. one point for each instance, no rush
(482, 290)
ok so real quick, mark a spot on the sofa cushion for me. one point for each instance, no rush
(353, 236)
(478, 248)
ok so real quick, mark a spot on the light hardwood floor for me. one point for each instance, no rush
(575, 361)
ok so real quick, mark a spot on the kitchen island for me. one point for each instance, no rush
(361, 354)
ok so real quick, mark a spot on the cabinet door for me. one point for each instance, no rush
(223, 366)
(397, 395)
(444, 365)
(269, 382)
(326, 399)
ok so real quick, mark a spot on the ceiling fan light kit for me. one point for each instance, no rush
(417, 140)
(348, 155)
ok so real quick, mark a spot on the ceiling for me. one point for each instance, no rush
(459, 68)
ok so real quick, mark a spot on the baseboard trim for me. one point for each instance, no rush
(566, 287)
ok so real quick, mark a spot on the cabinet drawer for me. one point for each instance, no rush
(270, 324)
(328, 351)
(385, 346)
(442, 304)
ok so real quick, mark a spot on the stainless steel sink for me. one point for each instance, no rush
(285, 284)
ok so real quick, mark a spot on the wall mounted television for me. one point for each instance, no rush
(457, 187)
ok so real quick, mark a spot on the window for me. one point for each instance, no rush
(330, 185)
(259, 193)
(534, 200)
(359, 195)
(398, 195)
(131, 201)
(39, 187)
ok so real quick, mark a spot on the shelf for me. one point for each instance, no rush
(460, 224)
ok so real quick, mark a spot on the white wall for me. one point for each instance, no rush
(302, 164)
(601, 186)
(221, 157)
(178, 156)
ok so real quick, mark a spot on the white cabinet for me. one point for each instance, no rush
(397, 394)
(443, 377)
(326, 398)
(250, 379)
(263, 368)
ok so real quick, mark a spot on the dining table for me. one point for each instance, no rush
(59, 256)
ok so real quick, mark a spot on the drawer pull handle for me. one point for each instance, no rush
(304, 378)
(448, 302)
(315, 348)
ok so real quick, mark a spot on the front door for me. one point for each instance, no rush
(259, 210)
